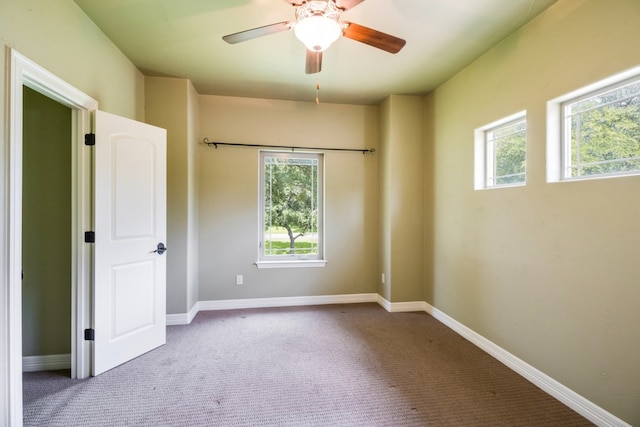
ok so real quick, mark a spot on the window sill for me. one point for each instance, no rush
(292, 264)
(497, 187)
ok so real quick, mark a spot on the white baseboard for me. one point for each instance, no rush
(49, 362)
(573, 400)
(401, 307)
(183, 318)
(286, 301)
(233, 304)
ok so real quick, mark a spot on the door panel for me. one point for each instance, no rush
(130, 221)
(133, 293)
(134, 208)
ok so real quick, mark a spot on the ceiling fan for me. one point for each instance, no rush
(317, 24)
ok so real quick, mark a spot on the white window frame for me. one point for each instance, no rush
(559, 136)
(290, 261)
(484, 158)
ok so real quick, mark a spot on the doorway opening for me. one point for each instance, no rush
(25, 73)
(46, 233)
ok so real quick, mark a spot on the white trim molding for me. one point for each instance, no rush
(401, 307)
(234, 304)
(23, 72)
(286, 301)
(573, 400)
(49, 362)
(310, 263)
(183, 318)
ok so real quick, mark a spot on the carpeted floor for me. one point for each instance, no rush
(336, 365)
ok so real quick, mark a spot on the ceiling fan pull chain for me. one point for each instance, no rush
(317, 92)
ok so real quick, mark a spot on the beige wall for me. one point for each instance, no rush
(401, 198)
(229, 197)
(546, 271)
(46, 226)
(172, 104)
(58, 36)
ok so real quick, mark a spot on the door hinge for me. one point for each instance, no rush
(89, 139)
(89, 236)
(89, 335)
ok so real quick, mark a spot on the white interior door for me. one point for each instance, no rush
(130, 224)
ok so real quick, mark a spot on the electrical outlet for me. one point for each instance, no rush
(382, 278)
(239, 279)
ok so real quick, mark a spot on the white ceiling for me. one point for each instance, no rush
(183, 38)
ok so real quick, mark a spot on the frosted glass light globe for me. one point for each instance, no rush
(317, 32)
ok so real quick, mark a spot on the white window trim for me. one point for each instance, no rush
(481, 152)
(556, 149)
(290, 261)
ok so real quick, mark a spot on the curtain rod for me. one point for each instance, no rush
(291, 147)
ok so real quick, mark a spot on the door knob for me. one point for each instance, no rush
(161, 248)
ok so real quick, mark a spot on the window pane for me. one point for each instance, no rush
(507, 156)
(604, 132)
(291, 205)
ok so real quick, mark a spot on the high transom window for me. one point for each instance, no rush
(601, 132)
(501, 153)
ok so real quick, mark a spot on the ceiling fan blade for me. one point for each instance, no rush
(373, 37)
(253, 33)
(314, 62)
(347, 4)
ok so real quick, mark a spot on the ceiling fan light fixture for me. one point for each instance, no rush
(317, 25)
(317, 33)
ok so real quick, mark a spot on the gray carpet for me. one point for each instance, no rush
(337, 365)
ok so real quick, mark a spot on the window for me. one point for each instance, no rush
(596, 131)
(291, 208)
(501, 153)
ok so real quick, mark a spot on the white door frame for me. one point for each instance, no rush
(23, 72)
